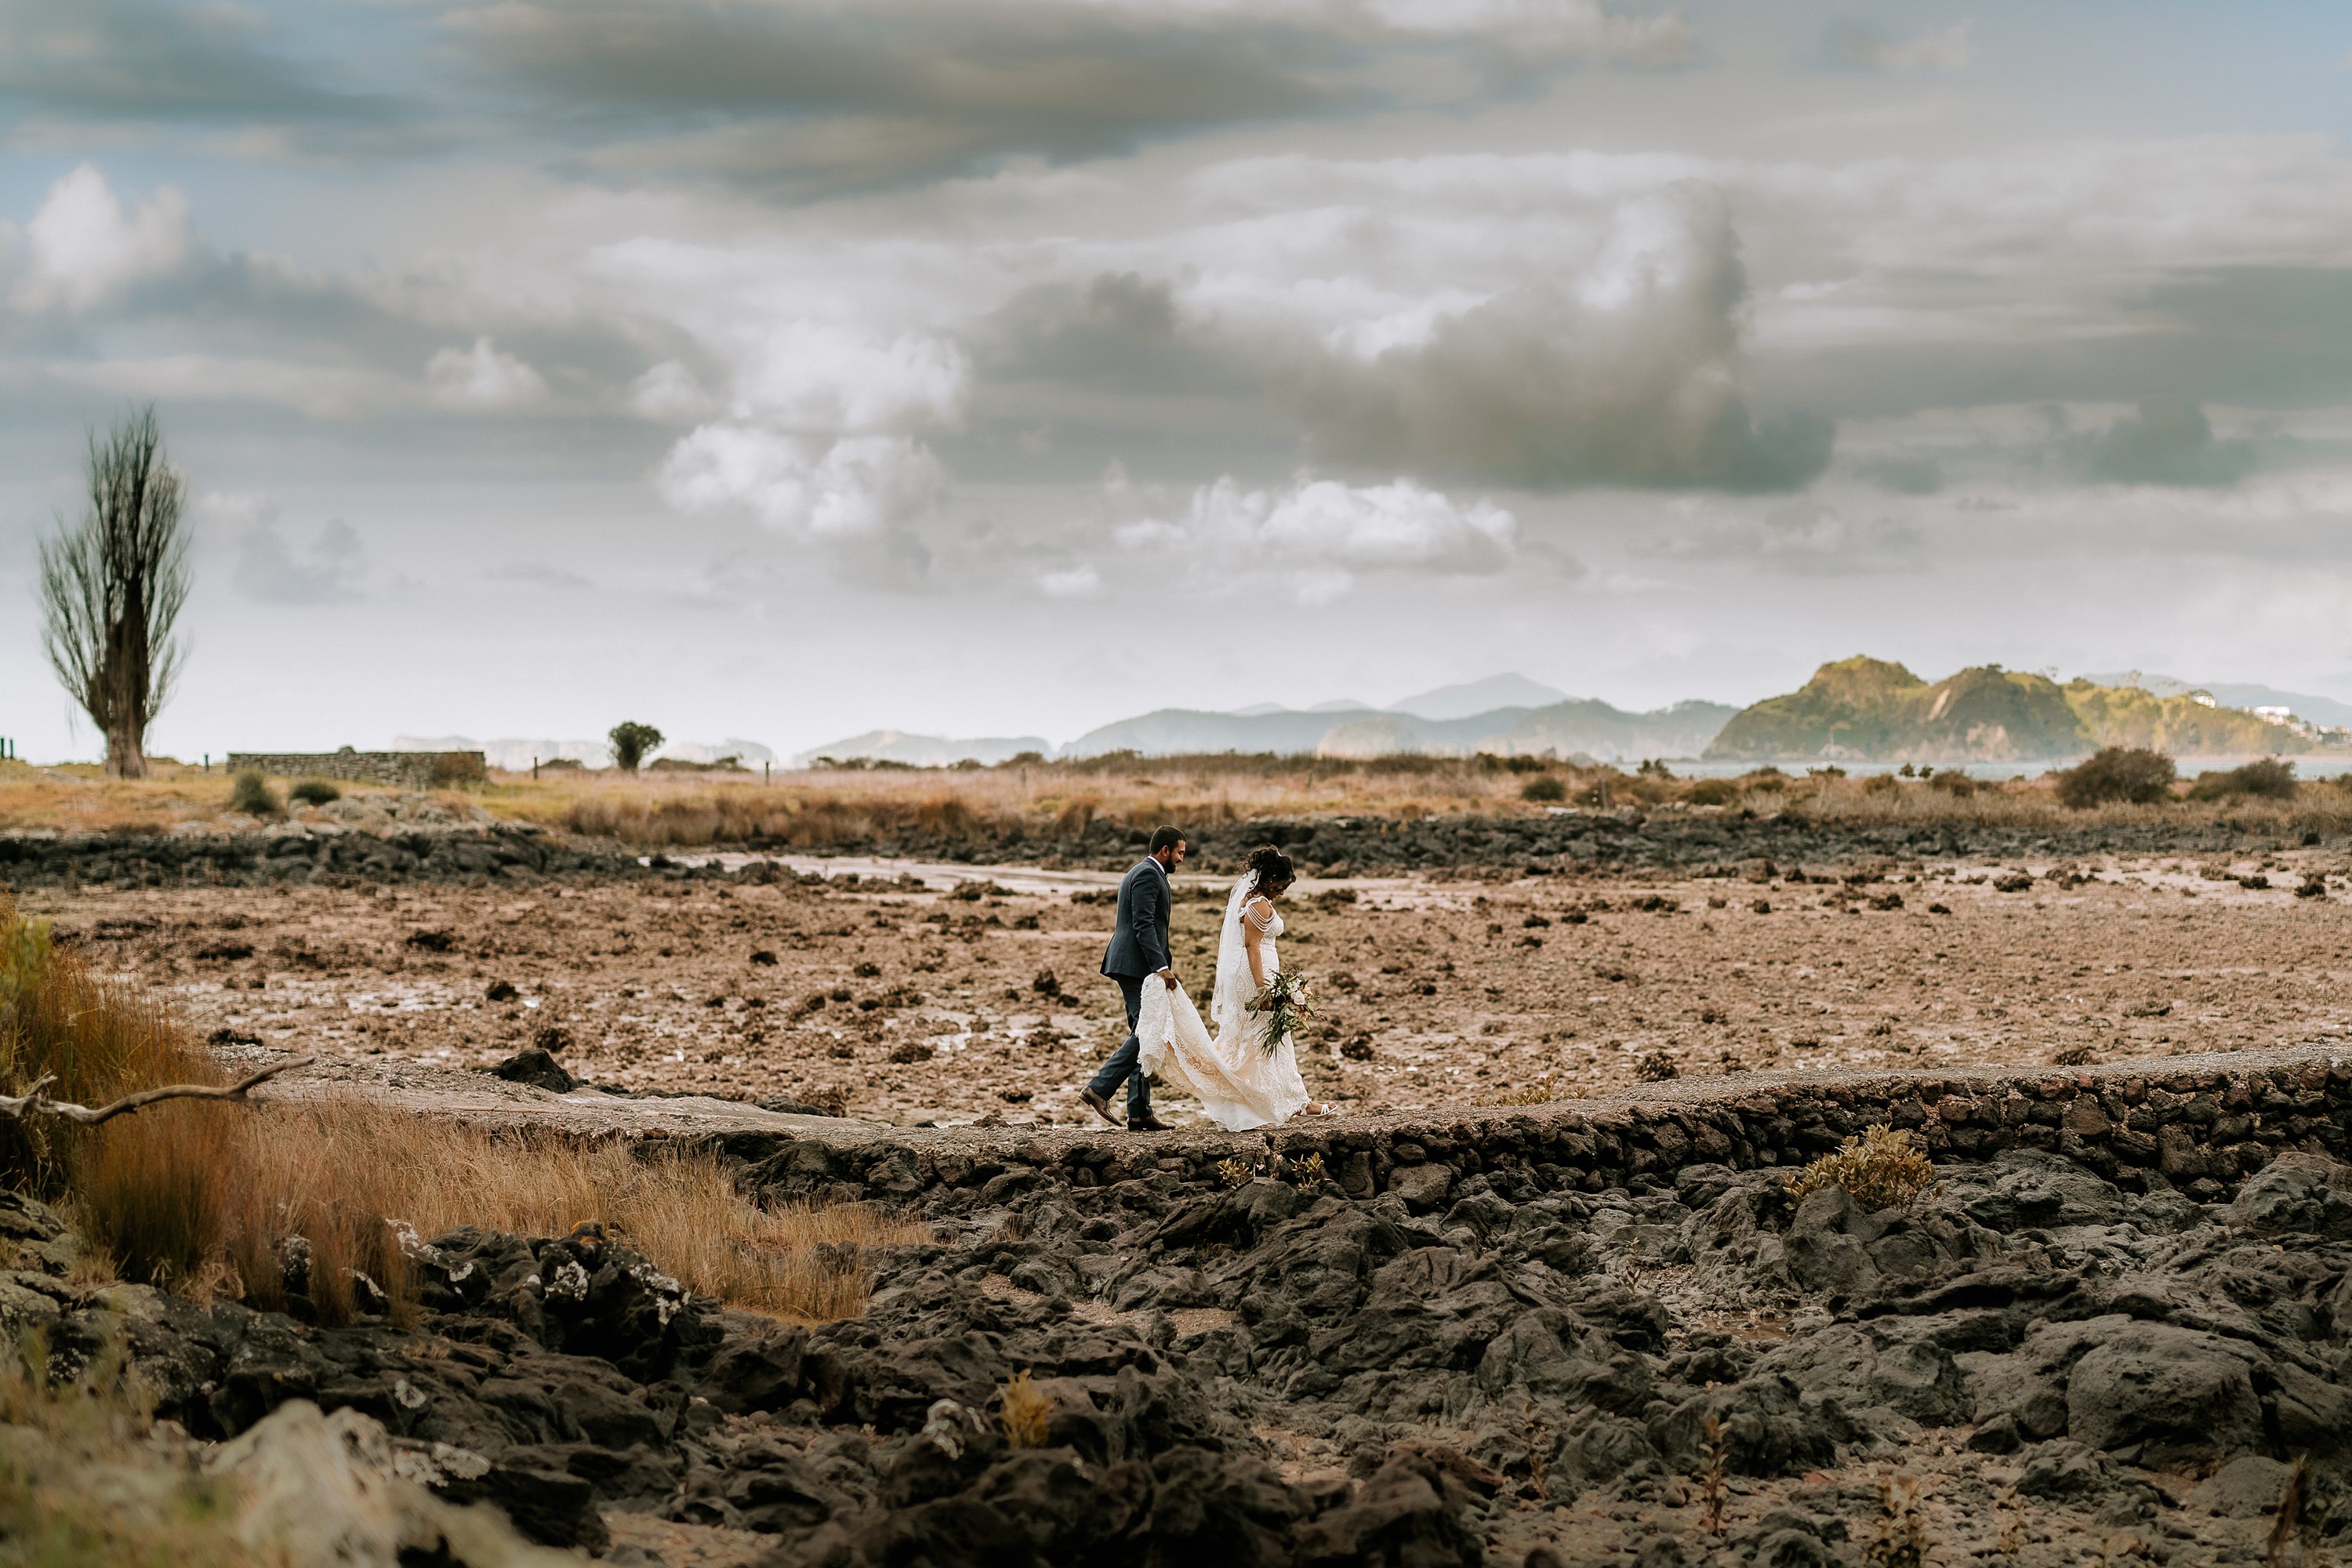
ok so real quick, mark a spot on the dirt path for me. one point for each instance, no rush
(911, 993)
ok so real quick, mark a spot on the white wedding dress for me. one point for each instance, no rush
(1238, 1082)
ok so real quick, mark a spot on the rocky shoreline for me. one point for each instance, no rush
(1564, 842)
(1474, 1356)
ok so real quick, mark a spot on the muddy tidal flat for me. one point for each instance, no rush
(914, 994)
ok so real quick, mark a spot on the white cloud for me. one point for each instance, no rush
(821, 377)
(1080, 582)
(85, 244)
(1318, 535)
(483, 377)
(670, 394)
(855, 487)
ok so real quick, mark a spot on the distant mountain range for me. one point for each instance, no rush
(1866, 710)
(1507, 713)
(1856, 709)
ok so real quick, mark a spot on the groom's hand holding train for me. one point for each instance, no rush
(1138, 951)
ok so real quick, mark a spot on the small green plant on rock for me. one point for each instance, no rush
(1880, 1168)
(1307, 1171)
(1236, 1171)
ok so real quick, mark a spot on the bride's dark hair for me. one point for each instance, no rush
(1269, 867)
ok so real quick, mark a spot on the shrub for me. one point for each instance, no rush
(1545, 789)
(2129, 774)
(631, 742)
(1712, 792)
(249, 793)
(315, 791)
(1879, 1168)
(1882, 783)
(2267, 779)
(1655, 1067)
(1959, 785)
(1027, 1410)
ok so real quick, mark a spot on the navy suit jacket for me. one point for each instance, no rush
(1138, 943)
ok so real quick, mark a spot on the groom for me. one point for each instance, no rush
(1139, 952)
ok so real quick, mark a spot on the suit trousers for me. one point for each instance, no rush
(1122, 1065)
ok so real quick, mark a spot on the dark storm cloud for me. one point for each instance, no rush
(803, 94)
(2260, 337)
(1072, 376)
(2170, 442)
(1623, 375)
(129, 60)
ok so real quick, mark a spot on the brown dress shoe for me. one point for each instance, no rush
(1147, 1122)
(1098, 1104)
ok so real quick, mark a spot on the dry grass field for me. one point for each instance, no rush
(825, 809)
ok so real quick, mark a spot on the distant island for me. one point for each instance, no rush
(1869, 710)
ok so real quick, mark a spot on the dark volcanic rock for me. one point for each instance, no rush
(534, 1065)
(1443, 1382)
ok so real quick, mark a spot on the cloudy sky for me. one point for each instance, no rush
(787, 368)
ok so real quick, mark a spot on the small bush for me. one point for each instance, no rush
(1546, 789)
(2268, 779)
(1959, 787)
(1656, 1067)
(1712, 792)
(2117, 774)
(315, 791)
(249, 793)
(1879, 1168)
(1026, 1410)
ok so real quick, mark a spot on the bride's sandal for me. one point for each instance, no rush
(1316, 1108)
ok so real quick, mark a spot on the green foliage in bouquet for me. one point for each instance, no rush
(1288, 1004)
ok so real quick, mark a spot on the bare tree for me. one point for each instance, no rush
(111, 587)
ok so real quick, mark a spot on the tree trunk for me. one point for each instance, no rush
(126, 755)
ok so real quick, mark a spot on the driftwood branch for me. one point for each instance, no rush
(32, 1102)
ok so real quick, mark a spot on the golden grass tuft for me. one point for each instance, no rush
(1880, 1168)
(204, 1198)
(1026, 1412)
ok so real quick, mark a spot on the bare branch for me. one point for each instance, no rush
(32, 1102)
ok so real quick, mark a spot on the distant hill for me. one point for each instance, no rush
(2237, 694)
(1476, 697)
(1866, 710)
(926, 751)
(1586, 725)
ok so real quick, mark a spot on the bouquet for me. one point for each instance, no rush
(1288, 1003)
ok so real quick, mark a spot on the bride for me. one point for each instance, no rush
(1237, 1081)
